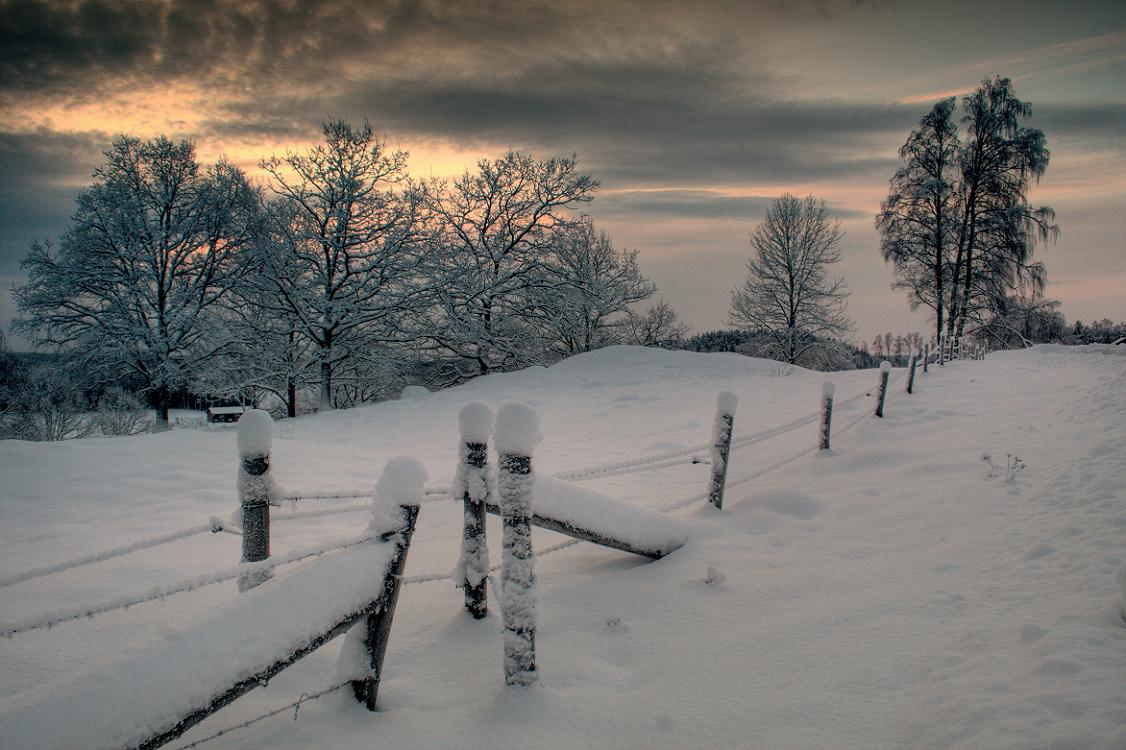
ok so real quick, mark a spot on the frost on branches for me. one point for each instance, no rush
(472, 484)
(517, 433)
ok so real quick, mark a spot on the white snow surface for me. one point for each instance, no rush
(127, 701)
(517, 429)
(894, 592)
(255, 433)
(475, 422)
(413, 391)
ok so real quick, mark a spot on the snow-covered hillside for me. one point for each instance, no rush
(898, 591)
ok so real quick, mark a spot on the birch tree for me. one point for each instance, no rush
(153, 248)
(957, 224)
(788, 292)
(918, 219)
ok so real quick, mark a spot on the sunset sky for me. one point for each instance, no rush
(692, 115)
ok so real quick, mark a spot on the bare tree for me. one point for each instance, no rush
(657, 326)
(348, 262)
(498, 229)
(598, 284)
(788, 292)
(152, 250)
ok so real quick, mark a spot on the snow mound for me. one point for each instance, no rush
(413, 391)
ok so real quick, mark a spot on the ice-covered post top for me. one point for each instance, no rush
(725, 404)
(911, 371)
(885, 375)
(471, 482)
(828, 389)
(517, 433)
(255, 490)
(402, 482)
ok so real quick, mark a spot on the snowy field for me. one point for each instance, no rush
(896, 592)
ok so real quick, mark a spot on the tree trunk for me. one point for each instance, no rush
(163, 421)
(290, 397)
(326, 371)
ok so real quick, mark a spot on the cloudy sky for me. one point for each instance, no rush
(693, 115)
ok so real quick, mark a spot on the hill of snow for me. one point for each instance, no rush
(898, 591)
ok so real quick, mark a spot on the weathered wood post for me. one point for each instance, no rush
(911, 373)
(472, 483)
(827, 391)
(255, 492)
(394, 512)
(926, 357)
(517, 433)
(885, 374)
(725, 405)
(942, 351)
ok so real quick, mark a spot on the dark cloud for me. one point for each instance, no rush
(691, 204)
(41, 173)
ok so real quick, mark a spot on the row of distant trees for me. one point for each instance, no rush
(344, 275)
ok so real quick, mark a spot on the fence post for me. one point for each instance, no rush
(911, 373)
(942, 351)
(472, 481)
(255, 492)
(885, 374)
(926, 357)
(827, 391)
(517, 433)
(394, 512)
(725, 406)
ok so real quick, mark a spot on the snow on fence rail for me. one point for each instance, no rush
(241, 645)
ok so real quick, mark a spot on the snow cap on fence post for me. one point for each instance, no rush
(255, 491)
(726, 402)
(885, 375)
(517, 433)
(517, 429)
(475, 421)
(255, 433)
(828, 389)
(402, 482)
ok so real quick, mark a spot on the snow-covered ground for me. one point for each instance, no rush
(895, 592)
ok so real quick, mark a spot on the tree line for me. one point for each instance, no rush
(342, 275)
